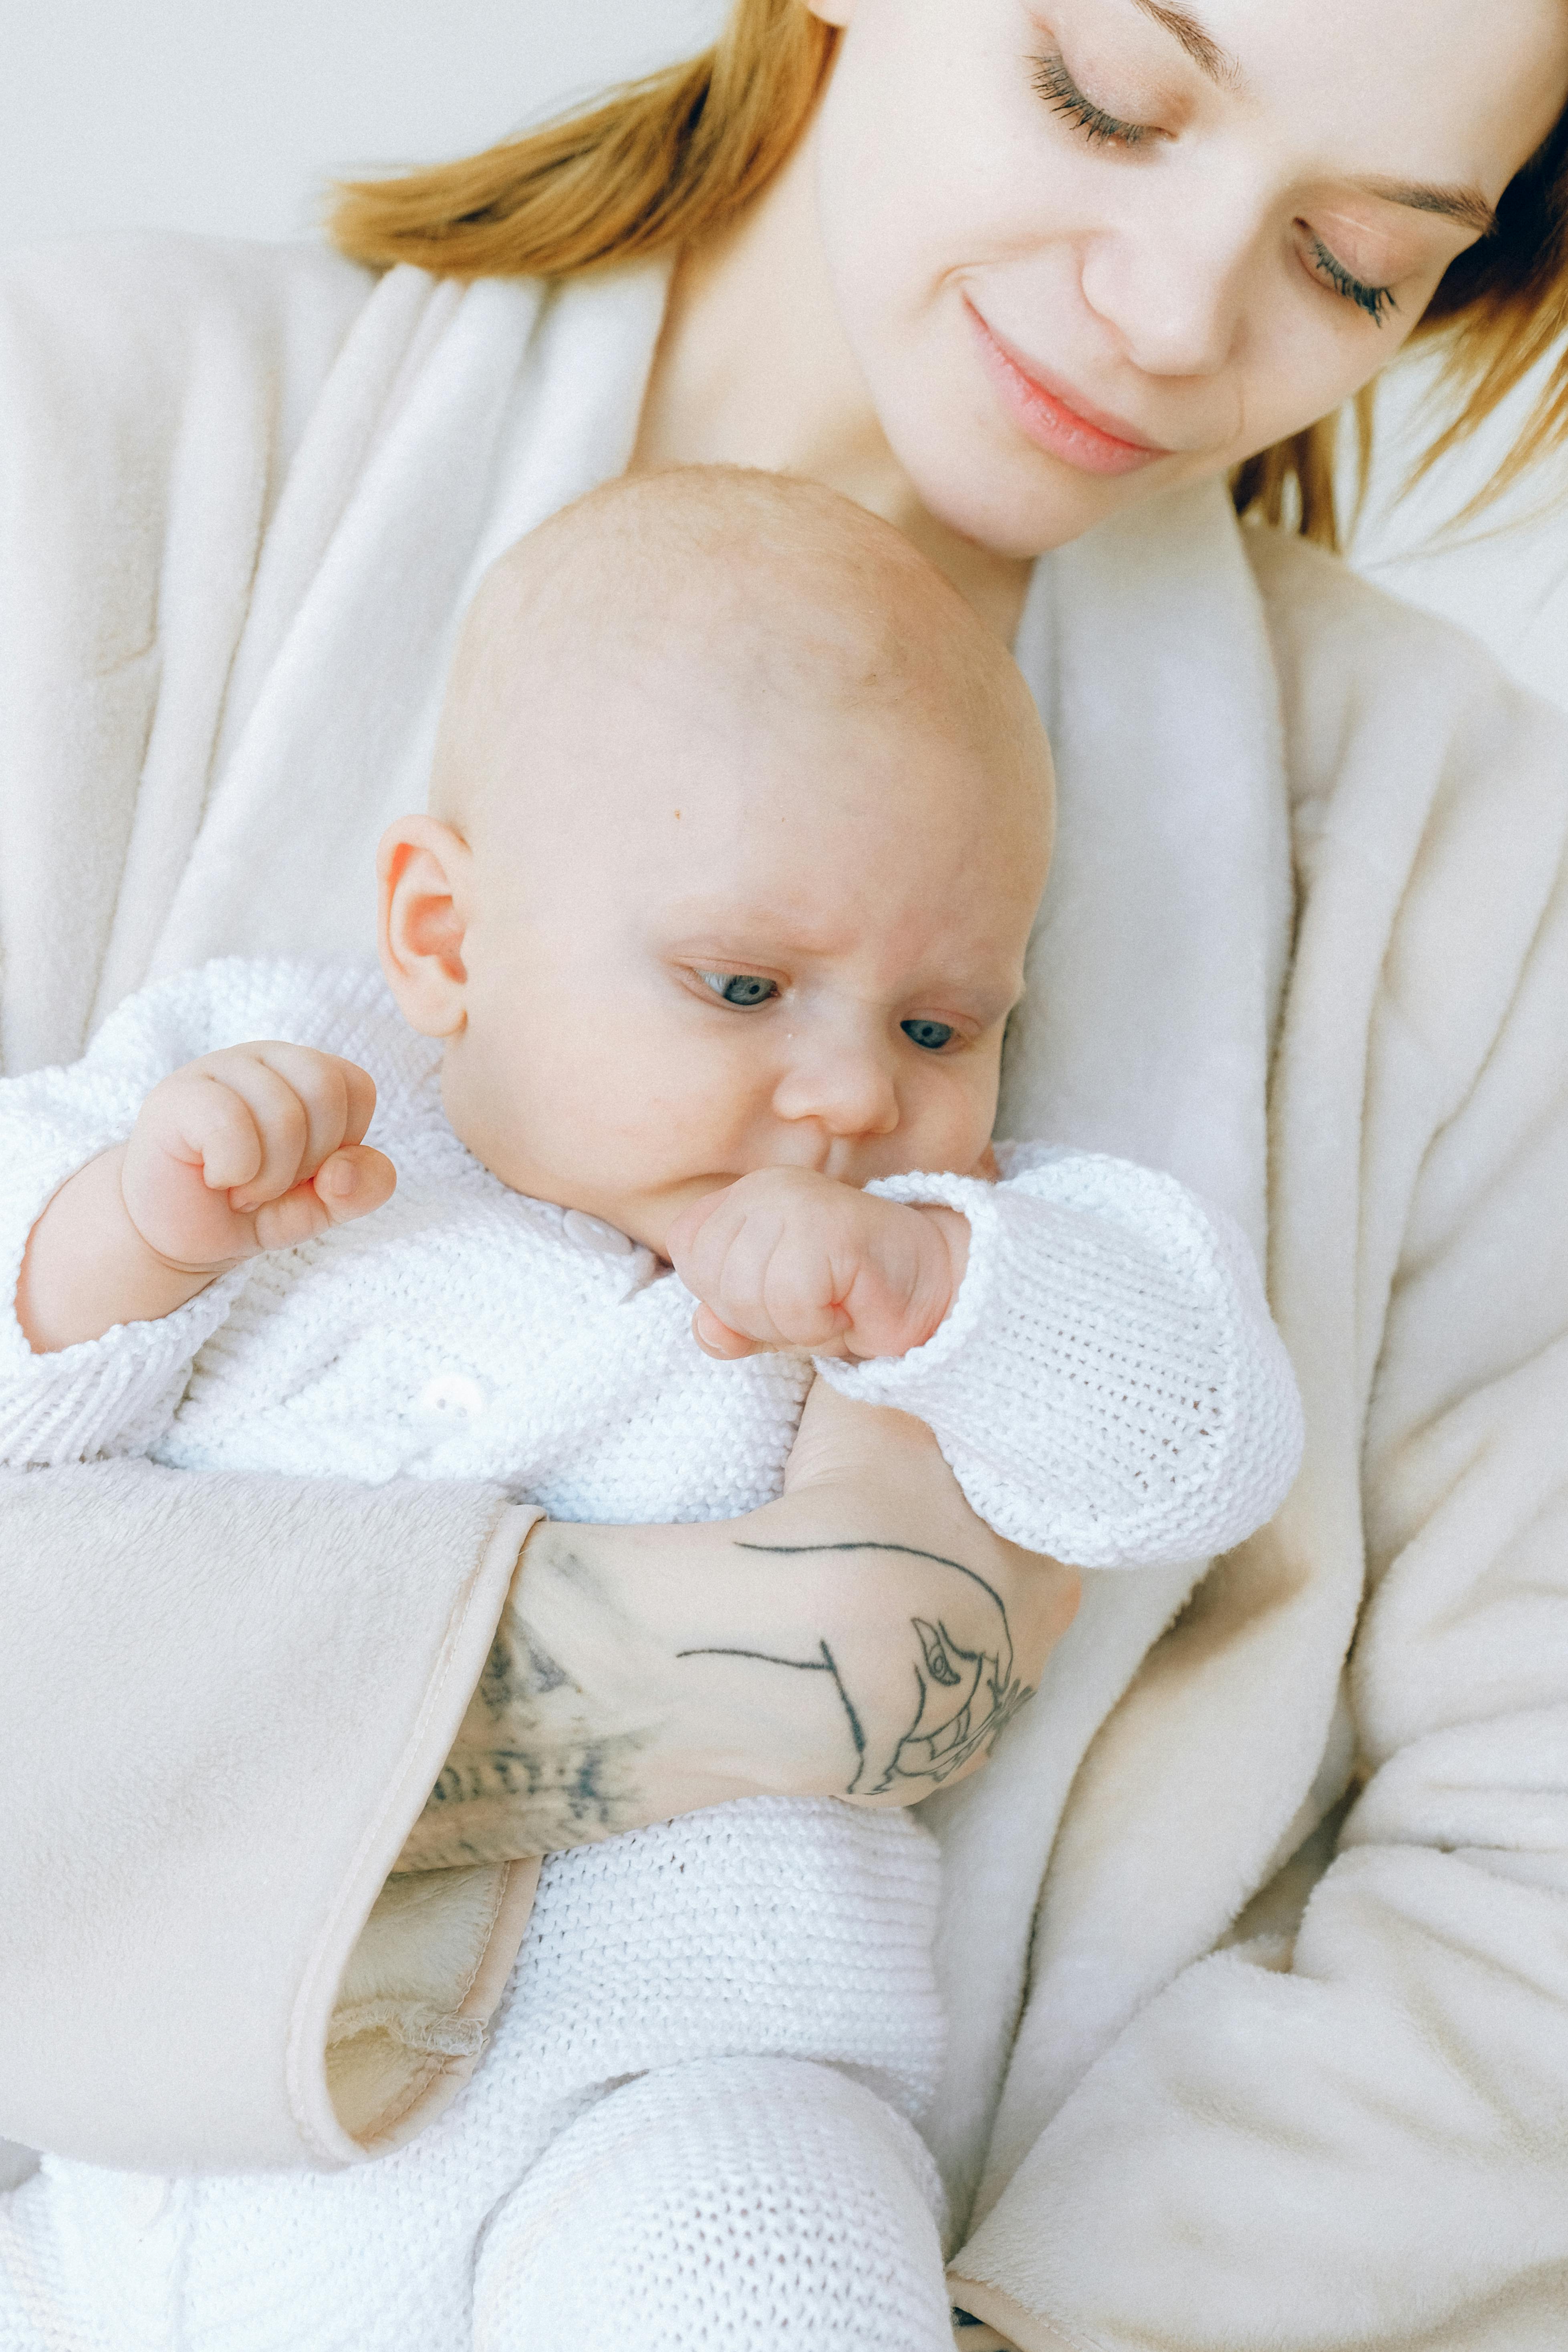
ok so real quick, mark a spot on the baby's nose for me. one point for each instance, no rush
(849, 1089)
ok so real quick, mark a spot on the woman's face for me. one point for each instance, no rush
(1087, 249)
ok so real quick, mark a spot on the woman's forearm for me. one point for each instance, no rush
(864, 1637)
(592, 1717)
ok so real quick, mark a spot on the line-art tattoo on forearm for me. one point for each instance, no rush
(825, 1665)
(965, 1690)
(536, 1769)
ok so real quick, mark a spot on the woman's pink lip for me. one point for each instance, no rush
(1085, 436)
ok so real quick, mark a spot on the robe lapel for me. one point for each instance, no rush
(1154, 980)
(1156, 966)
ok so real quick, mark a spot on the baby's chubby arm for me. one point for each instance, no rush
(787, 1258)
(254, 1148)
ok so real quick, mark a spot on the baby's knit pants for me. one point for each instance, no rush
(693, 2129)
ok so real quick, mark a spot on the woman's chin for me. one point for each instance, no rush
(1016, 502)
(1012, 513)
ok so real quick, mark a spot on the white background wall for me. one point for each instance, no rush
(230, 116)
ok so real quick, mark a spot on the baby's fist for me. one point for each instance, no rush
(786, 1258)
(255, 1147)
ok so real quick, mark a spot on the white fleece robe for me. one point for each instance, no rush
(242, 498)
(1107, 1386)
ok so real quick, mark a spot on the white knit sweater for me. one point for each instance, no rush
(1108, 1386)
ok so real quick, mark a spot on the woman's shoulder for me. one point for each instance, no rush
(1369, 681)
(143, 282)
(1321, 611)
(105, 340)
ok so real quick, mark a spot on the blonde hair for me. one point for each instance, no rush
(660, 163)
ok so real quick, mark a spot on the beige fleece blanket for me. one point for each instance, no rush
(244, 502)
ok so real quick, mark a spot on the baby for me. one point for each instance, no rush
(686, 1046)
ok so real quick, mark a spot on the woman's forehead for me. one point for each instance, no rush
(1433, 95)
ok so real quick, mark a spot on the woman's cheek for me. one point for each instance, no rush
(1301, 362)
(931, 163)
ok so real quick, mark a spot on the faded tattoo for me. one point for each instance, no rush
(568, 1796)
(516, 1671)
(526, 1774)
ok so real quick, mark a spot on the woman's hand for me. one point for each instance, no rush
(865, 1636)
(941, 1627)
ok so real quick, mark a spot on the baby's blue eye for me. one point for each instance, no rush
(743, 988)
(932, 1034)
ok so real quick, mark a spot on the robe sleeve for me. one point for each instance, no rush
(1357, 2137)
(223, 1701)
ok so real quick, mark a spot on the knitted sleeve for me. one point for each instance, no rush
(116, 1394)
(1108, 1386)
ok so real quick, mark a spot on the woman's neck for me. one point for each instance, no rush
(754, 369)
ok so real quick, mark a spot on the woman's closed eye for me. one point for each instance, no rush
(742, 989)
(1098, 124)
(1102, 128)
(1375, 300)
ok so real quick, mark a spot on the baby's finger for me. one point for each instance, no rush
(354, 1181)
(361, 1088)
(282, 1124)
(729, 1261)
(337, 1097)
(195, 1117)
(716, 1338)
(313, 1207)
(682, 1239)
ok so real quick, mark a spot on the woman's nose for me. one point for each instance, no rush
(1172, 297)
(849, 1088)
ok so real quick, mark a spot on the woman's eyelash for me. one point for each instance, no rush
(1054, 83)
(1375, 300)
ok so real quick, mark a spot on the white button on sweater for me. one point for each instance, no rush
(1107, 1388)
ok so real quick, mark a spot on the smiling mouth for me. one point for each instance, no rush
(1046, 412)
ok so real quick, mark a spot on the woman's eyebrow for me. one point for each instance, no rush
(1465, 206)
(1202, 47)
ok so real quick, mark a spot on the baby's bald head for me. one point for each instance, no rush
(740, 819)
(694, 607)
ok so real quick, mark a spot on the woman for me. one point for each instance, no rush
(1035, 283)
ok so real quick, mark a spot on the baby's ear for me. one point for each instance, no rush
(424, 870)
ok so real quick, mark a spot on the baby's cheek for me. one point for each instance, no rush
(963, 1146)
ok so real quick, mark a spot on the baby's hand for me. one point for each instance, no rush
(785, 1258)
(255, 1147)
